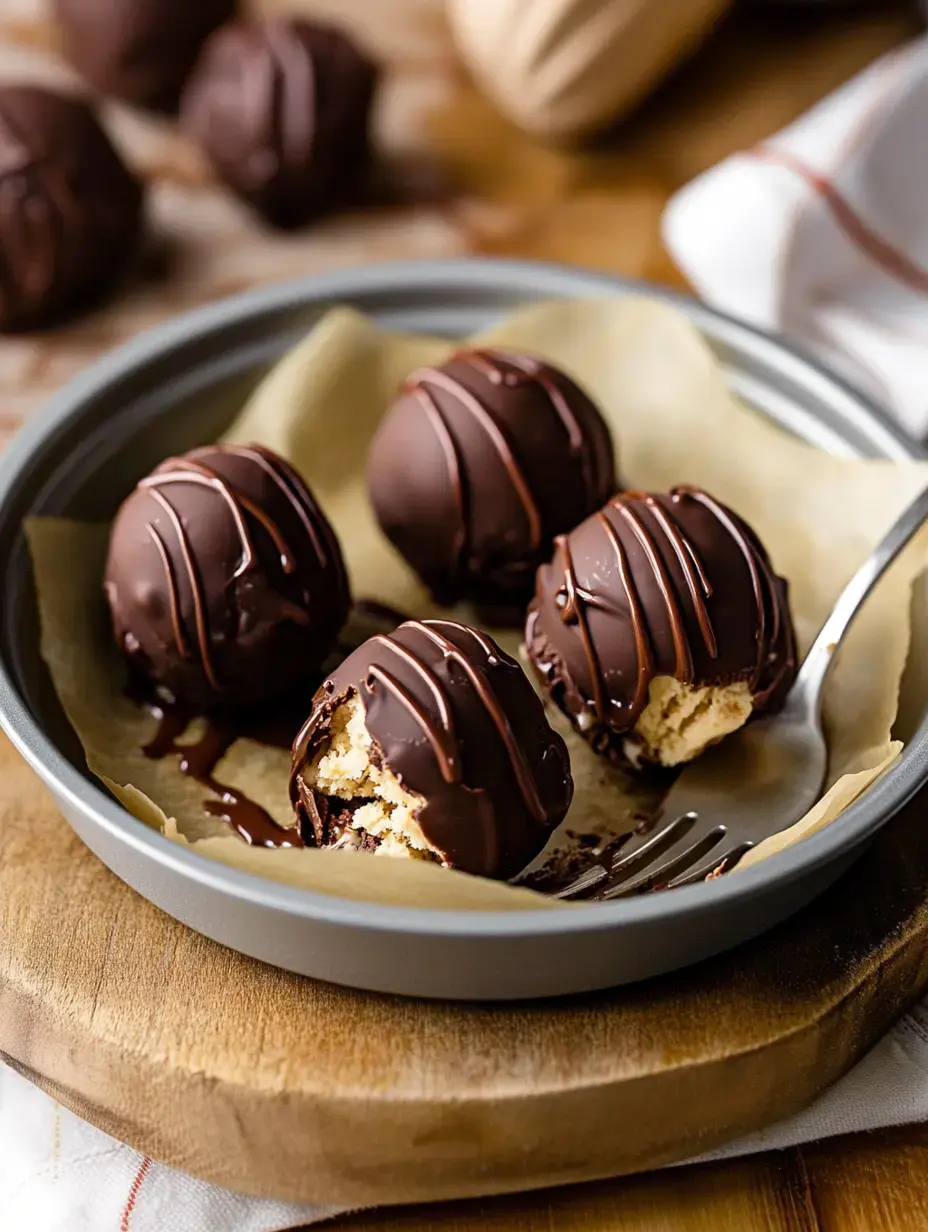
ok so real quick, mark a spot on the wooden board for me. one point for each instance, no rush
(279, 1085)
(274, 1084)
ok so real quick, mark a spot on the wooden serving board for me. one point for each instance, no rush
(278, 1085)
(274, 1084)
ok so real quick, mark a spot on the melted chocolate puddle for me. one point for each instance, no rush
(275, 726)
(249, 820)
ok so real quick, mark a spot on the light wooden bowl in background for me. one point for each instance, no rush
(564, 68)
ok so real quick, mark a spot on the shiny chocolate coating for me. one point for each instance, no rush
(138, 50)
(457, 721)
(479, 464)
(224, 579)
(669, 584)
(70, 211)
(282, 109)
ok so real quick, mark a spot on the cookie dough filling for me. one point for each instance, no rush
(366, 806)
(681, 721)
(430, 743)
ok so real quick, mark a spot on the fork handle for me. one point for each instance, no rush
(807, 691)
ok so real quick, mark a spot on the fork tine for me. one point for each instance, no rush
(728, 858)
(654, 846)
(588, 880)
(669, 869)
(650, 849)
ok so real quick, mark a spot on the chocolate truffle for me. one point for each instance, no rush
(479, 464)
(282, 108)
(659, 626)
(431, 743)
(70, 212)
(139, 50)
(225, 581)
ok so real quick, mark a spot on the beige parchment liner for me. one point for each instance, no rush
(674, 421)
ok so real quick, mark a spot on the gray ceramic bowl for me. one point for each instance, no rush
(178, 386)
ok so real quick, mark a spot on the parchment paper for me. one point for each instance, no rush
(674, 421)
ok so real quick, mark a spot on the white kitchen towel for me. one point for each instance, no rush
(58, 1174)
(821, 232)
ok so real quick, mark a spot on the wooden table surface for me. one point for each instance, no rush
(599, 208)
(867, 1183)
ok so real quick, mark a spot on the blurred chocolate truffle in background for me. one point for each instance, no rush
(431, 743)
(479, 464)
(138, 50)
(282, 110)
(225, 581)
(659, 627)
(70, 211)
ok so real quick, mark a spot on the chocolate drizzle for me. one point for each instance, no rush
(224, 578)
(441, 734)
(44, 222)
(456, 721)
(458, 538)
(482, 687)
(512, 368)
(421, 383)
(189, 470)
(282, 107)
(198, 760)
(763, 579)
(639, 629)
(70, 211)
(654, 585)
(477, 466)
(138, 50)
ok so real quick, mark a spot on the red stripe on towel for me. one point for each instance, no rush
(133, 1194)
(891, 260)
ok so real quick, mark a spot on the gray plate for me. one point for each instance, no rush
(178, 386)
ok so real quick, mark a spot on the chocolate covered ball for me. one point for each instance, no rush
(431, 743)
(659, 626)
(282, 109)
(224, 579)
(70, 211)
(479, 464)
(139, 50)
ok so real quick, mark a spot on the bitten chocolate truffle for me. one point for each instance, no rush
(431, 743)
(479, 464)
(139, 50)
(659, 627)
(70, 212)
(282, 109)
(225, 581)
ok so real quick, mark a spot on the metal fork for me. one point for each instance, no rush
(755, 783)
